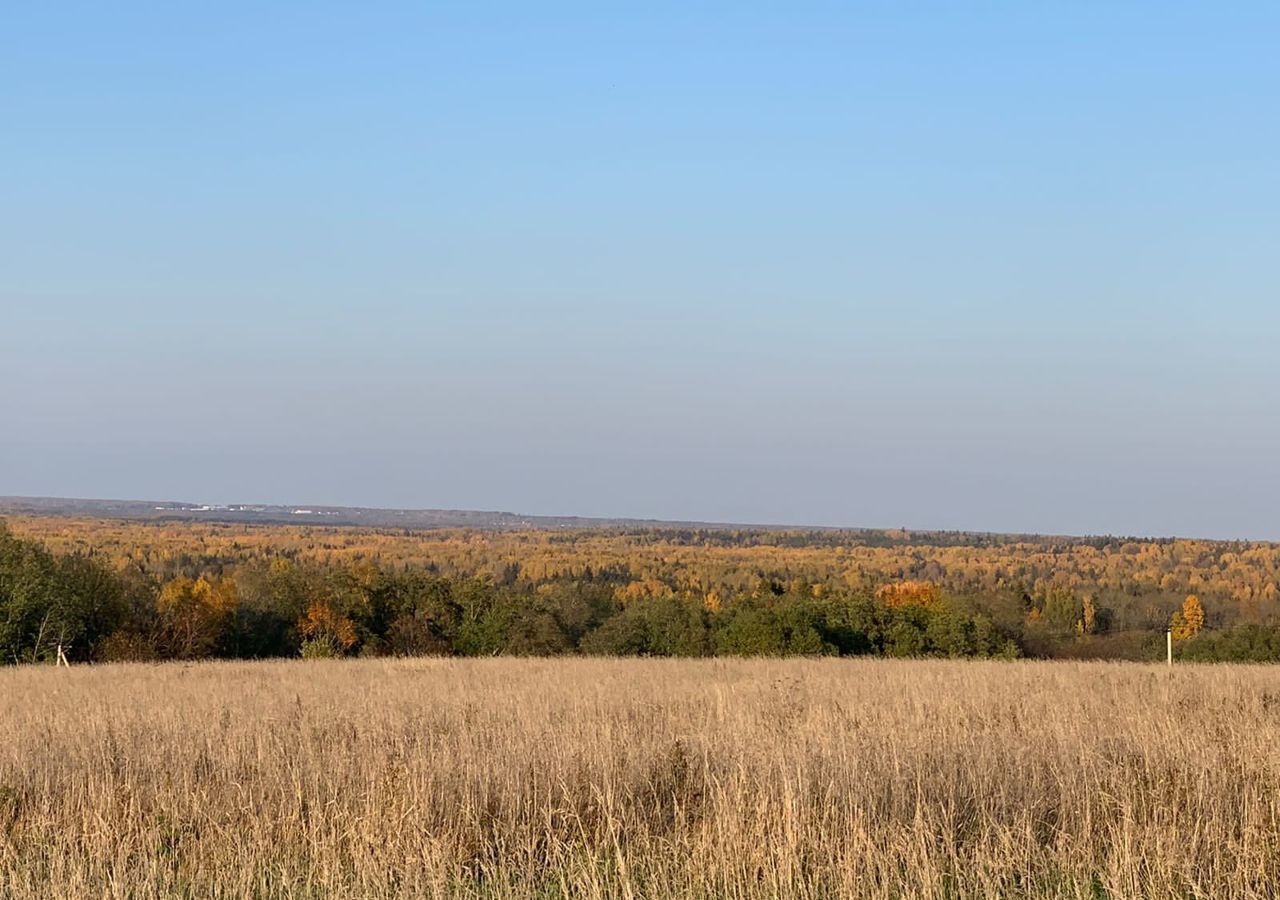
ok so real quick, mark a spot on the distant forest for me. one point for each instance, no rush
(117, 590)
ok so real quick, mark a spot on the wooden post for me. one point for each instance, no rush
(1168, 641)
(62, 658)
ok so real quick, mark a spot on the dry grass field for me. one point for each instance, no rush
(640, 778)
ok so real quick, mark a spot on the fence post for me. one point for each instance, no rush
(1168, 641)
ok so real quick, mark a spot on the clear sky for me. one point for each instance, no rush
(1002, 266)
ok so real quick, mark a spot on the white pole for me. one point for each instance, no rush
(1168, 640)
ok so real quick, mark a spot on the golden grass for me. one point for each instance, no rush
(640, 778)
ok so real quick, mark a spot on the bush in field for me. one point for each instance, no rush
(127, 646)
(321, 648)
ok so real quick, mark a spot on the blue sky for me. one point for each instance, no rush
(985, 265)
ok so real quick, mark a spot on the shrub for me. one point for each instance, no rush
(321, 648)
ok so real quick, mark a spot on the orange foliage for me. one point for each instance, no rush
(909, 593)
(644, 589)
(322, 622)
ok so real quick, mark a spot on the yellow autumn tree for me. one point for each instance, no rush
(909, 593)
(644, 589)
(1088, 623)
(1188, 621)
(712, 600)
(327, 631)
(192, 615)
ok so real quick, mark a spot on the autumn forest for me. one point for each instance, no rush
(114, 590)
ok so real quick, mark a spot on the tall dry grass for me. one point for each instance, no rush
(729, 778)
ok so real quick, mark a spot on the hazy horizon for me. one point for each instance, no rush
(201, 504)
(1000, 269)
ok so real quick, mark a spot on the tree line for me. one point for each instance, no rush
(1140, 582)
(284, 608)
(103, 608)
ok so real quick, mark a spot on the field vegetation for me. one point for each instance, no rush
(414, 771)
(640, 778)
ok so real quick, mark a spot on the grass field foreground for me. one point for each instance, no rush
(639, 778)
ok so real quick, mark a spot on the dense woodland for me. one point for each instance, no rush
(122, 590)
